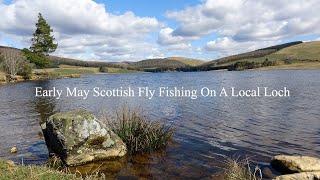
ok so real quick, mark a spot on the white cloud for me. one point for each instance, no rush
(166, 38)
(85, 29)
(246, 23)
(80, 26)
(249, 19)
(226, 46)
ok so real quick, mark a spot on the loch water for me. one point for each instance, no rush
(208, 130)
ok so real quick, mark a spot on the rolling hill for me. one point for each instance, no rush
(288, 53)
(303, 51)
(170, 63)
(253, 55)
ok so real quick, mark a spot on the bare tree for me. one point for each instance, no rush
(11, 61)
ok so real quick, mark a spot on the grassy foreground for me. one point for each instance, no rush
(10, 171)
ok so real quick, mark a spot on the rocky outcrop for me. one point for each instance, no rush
(293, 164)
(78, 137)
(302, 167)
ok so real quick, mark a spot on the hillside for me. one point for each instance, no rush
(304, 51)
(171, 63)
(254, 55)
(297, 53)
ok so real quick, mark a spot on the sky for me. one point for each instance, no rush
(127, 30)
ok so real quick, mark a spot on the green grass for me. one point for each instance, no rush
(10, 172)
(75, 71)
(65, 71)
(139, 133)
(120, 70)
(240, 170)
(2, 77)
(304, 51)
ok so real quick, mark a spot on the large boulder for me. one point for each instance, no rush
(294, 164)
(78, 137)
(300, 176)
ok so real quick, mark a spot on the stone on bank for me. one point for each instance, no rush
(300, 176)
(302, 167)
(293, 164)
(78, 137)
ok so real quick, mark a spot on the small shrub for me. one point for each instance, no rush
(268, 63)
(103, 69)
(26, 71)
(240, 170)
(139, 133)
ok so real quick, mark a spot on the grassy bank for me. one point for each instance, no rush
(66, 71)
(10, 171)
(294, 66)
(120, 71)
(63, 71)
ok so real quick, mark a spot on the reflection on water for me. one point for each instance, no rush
(207, 129)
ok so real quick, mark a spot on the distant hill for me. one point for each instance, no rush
(163, 64)
(294, 52)
(274, 55)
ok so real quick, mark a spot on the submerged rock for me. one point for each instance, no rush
(293, 164)
(78, 137)
(14, 149)
(300, 176)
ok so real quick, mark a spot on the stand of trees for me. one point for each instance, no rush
(243, 65)
(14, 62)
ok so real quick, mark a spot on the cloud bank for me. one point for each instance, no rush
(245, 24)
(82, 27)
(86, 29)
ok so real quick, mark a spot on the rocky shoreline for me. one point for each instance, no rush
(79, 138)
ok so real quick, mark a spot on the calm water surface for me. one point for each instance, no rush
(208, 130)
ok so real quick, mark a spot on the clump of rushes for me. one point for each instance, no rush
(139, 133)
(240, 170)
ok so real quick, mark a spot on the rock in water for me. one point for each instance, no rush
(78, 137)
(14, 149)
(293, 164)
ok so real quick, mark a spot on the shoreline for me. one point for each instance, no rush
(76, 72)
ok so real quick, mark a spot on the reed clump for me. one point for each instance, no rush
(139, 133)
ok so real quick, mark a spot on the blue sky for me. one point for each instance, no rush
(126, 30)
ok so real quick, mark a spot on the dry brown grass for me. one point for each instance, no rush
(9, 171)
(241, 170)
